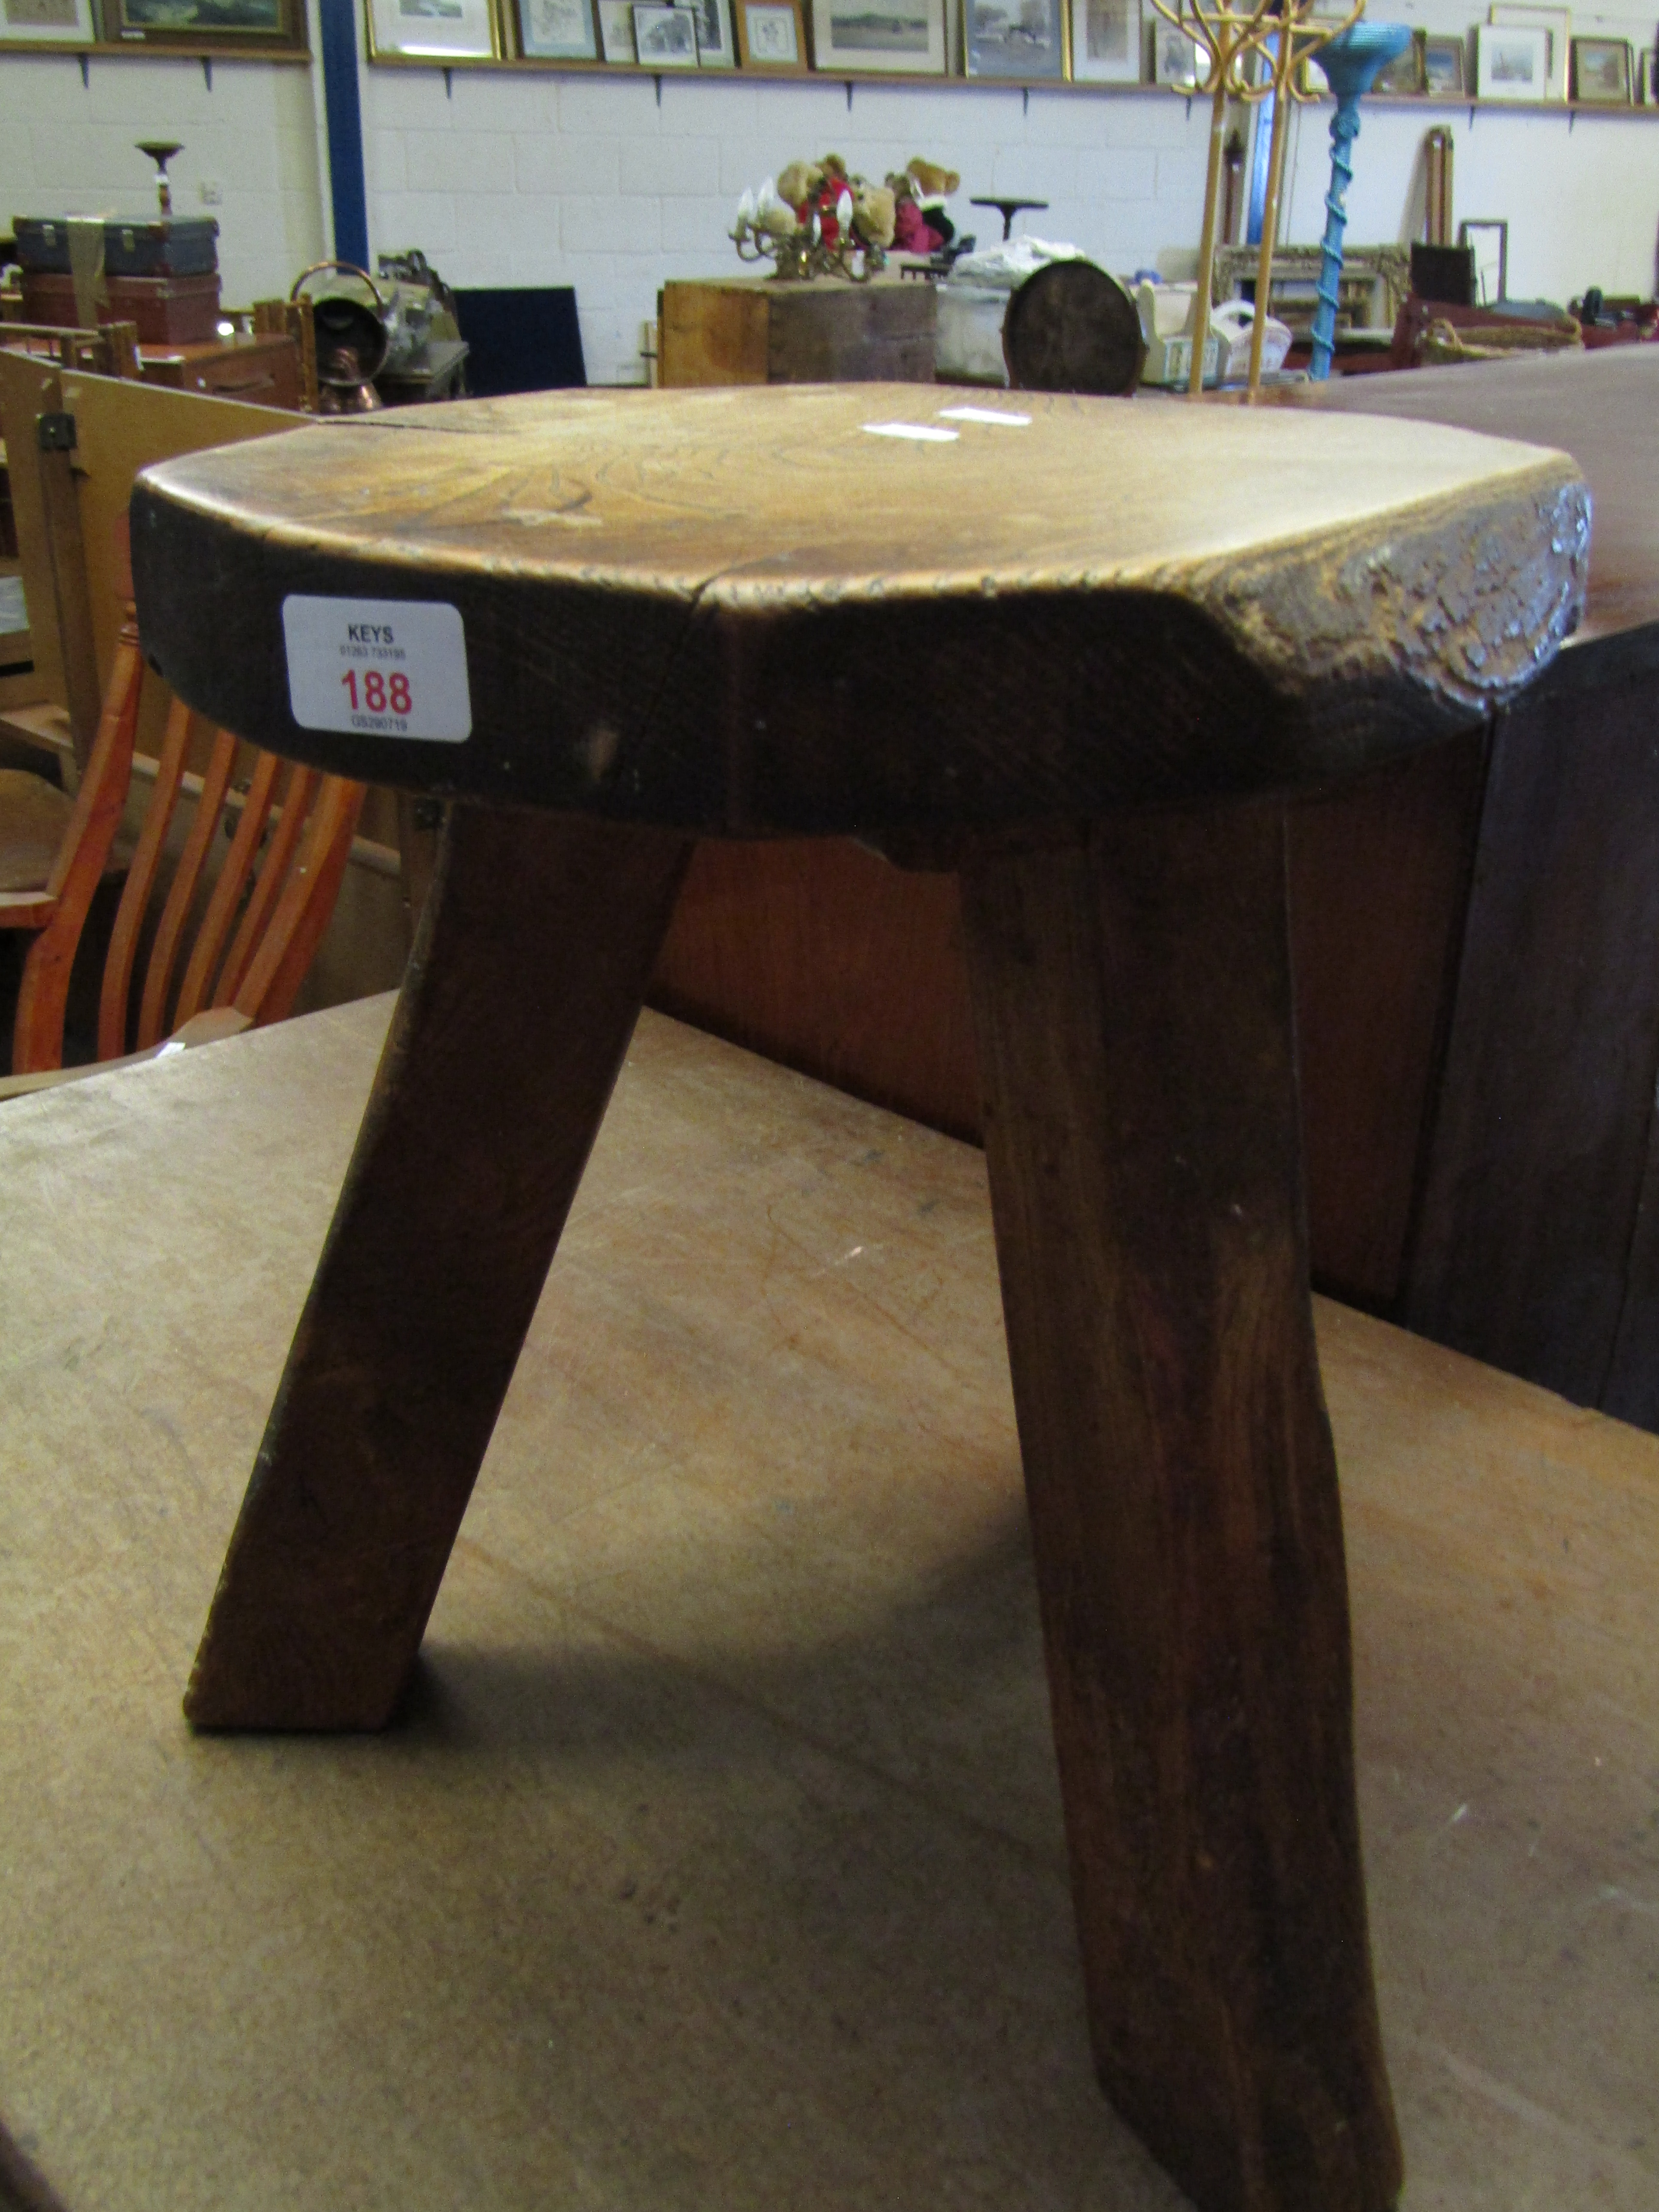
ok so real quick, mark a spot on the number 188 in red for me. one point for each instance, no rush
(379, 693)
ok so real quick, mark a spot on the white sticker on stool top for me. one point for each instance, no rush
(925, 433)
(984, 414)
(378, 668)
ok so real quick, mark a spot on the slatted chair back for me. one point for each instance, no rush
(260, 922)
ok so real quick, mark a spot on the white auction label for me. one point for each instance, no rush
(378, 668)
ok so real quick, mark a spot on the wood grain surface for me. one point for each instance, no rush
(1599, 405)
(717, 1864)
(522, 993)
(1132, 997)
(740, 610)
(727, 330)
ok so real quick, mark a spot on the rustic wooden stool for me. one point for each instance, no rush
(1076, 651)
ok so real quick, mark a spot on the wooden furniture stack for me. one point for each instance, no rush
(1026, 651)
(155, 285)
(161, 274)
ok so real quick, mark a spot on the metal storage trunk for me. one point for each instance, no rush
(177, 246)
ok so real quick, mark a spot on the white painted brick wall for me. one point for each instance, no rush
(628, 191)
(604, 189)
(68, 149)
(594, 181)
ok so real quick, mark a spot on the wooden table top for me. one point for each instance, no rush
(719, 1861)
(779, 608)
(1600, 407)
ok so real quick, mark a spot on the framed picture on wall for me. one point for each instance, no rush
(558, 30)
(879, 36)
(1176, 61)
(1556, 23)
(771, 35)
(161, 22)
(1024, 39)
(1406, 76)
(716, 47)
(1645, 89)
(464, 28)
(664, 37)
(64, 22)
(1511, 64)
(1443, 62)
(616, 30)
(1602, 72)
(1106, 41)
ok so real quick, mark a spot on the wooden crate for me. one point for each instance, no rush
(755, 330)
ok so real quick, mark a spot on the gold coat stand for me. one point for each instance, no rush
(1283, 33)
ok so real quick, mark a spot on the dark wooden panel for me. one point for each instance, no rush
(1632, 1389)
(1379, 874)
(828, 334)
(750, 330)
(1538, 1158)
(824, 956)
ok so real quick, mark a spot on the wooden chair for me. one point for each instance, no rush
(260, 925)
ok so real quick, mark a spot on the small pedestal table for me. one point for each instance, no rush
(1077, 650)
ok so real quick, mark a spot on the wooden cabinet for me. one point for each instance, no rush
(828, 957)
(264, 370)
(749, 329)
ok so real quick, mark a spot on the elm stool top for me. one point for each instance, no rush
(849, 607)
(1077, 649)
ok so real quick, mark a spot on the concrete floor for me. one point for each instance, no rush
(717, 1862)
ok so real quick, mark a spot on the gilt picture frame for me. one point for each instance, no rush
(464, 30)
(771, 35)
(1556, 23)
(277, 23)
(879, 38)
(1602, 73)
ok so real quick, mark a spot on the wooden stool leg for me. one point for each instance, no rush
(521, 995)
(1133, 1006)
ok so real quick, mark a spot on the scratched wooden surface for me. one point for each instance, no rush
(720, 1866)
(732, 609)
(1601, 406)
